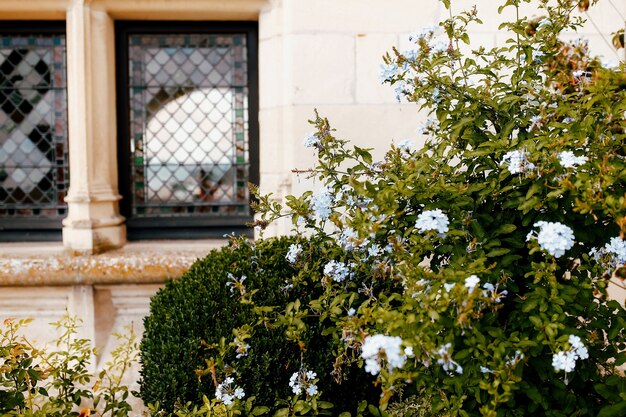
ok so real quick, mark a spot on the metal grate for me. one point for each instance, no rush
(189, 146)
(33, 126)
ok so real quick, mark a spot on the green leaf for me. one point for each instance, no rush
(373, 410)
(615, 410)
(498, 252)
(283, 412)
(505, 229)
(260, 410)
(325, 405)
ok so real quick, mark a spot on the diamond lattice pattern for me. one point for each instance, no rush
(188, 124)
(33, 126)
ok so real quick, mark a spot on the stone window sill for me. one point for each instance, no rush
(141, 262)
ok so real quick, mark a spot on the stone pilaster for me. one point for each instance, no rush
(93, 223)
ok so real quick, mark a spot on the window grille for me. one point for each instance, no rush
(189, 152)
(33, 131)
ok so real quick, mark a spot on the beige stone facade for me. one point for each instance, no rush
(312, 54)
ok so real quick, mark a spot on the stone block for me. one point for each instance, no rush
(370, 49)
(361, 16)
(273, 73)
(322, 68)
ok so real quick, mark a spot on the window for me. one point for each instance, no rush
(33, 130)
(188, 127)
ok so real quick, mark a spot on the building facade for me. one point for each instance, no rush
(125, 120)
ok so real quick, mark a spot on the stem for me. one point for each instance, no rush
(458, 57)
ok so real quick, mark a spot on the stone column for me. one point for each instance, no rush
(93, 223)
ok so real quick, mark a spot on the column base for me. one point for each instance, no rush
(91, 241)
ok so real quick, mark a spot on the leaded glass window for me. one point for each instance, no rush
(188, 97)
(188, 154)
(33, 128)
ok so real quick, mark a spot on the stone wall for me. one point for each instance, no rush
(313, 54)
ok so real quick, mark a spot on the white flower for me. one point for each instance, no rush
(294, 251)
(422, 33)
(517, 161)
(338, 271)
(406, 145)
(569, 160)
(617, 247)
(408, 352)
(432, 220)
(312, 141)
(515, 359)
(351, 312)
(322, 203)
(378, 347)
(578, 347)
(410, 55)
(471, 282)
(444, 358)
(581, 76)
(347, 239)
(401, 89)
(566, 360)
(439, 47)
(535, 121)
(491, 291)
(303, 380)
(227, 391)
(388, 72)
(485, 370)
(449, 286)
(553, 237)
(544, 22)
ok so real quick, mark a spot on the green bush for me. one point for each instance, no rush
(195, 317)
(506, 227)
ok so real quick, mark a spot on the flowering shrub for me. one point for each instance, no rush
(504, 230)
(58, 381)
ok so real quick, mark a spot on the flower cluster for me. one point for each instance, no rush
(227, 391)
(236, 284)
(517, 161)
(294, 250)
(312, 141)
(444, 358)
(322, 202)
(471, 282)
(566, 360)
(337, 270)
(388, 72)
(553, 237)
(241, 348)
(569, 160)
(491, 291)
(380, 347)
(613, 253)
(304, 381)
(432, 220)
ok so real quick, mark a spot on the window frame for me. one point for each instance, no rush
(211, 226)
(34, 229)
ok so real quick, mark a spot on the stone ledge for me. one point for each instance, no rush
(143, 262)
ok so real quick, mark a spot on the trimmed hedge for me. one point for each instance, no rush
(201, 307)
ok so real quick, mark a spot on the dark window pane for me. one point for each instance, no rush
(188, 98)
(33, 127)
